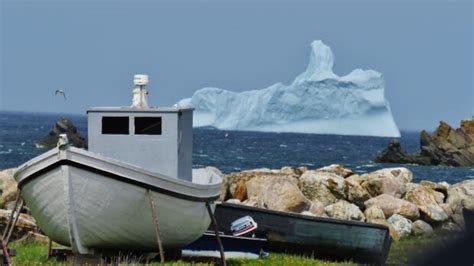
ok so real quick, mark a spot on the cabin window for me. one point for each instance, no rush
(148, 125)
(115, 125)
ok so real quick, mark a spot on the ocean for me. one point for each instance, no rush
(232, 151)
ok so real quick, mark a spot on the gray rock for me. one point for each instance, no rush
(420, 228)
(345, 211)
(401, 224)
(323, 186)
(374, 213)
(391, 205)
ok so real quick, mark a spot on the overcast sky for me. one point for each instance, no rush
(91, 49)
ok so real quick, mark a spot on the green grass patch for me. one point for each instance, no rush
(36, 253)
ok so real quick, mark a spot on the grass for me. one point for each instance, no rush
(35, 253)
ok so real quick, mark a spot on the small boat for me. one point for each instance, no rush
(314, 236)
(138, 168)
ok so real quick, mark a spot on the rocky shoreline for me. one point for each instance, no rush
(446, 146)
(386, 196)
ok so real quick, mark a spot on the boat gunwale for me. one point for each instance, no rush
(306, 217)
(22, 180)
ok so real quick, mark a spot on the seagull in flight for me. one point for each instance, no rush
(60, 92)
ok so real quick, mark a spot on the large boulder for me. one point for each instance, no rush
(236, 181)
(420, 228)
(345, 211)
(355, 193)
(62, 126)
(461, 194)
(323, 186)
(277, 193)
(401, 224)
(427, 202)
(389, 181)
(391, 205)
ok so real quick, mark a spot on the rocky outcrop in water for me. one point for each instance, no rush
(62, 126)
(446, 146)
(386, 196)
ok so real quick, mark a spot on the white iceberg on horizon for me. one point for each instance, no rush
(317, 101)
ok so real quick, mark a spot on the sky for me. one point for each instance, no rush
(92, 49)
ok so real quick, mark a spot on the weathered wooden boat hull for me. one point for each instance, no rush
(92, 204)
(316, 236)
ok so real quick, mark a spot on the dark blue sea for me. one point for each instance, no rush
(235, 151)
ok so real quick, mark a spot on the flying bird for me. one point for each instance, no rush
(60, 92)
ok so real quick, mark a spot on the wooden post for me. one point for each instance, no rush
(216, 231)
(9, 228)
(157, 226)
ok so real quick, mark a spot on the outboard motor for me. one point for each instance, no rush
(243, 226)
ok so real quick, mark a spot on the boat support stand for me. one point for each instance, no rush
(11, 223)
(216, 231)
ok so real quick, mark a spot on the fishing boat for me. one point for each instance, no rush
(136, 176)
(318, 237)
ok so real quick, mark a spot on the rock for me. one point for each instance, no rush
(391, 205)
(401, 224)
(240, 191)
(62, 126)
(234, 201)
(317, 208)
(24, 224)
(277, 193)
(440, 186)
(427, 203)
(8, 187)
(461, 195)
(36, 237)
(446, 146)
(450, 227)
(393, 233)
(394, 153)
(389, 181)
(374, 213)
(345, 211)
(355, 193)
(233, 179)
(420, 228)
(337, 169)
(323, 186)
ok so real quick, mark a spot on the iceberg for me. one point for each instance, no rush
(317, 101)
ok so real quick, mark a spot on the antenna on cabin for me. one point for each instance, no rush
(140, 92)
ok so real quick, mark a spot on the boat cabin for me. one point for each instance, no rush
(157, 139)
